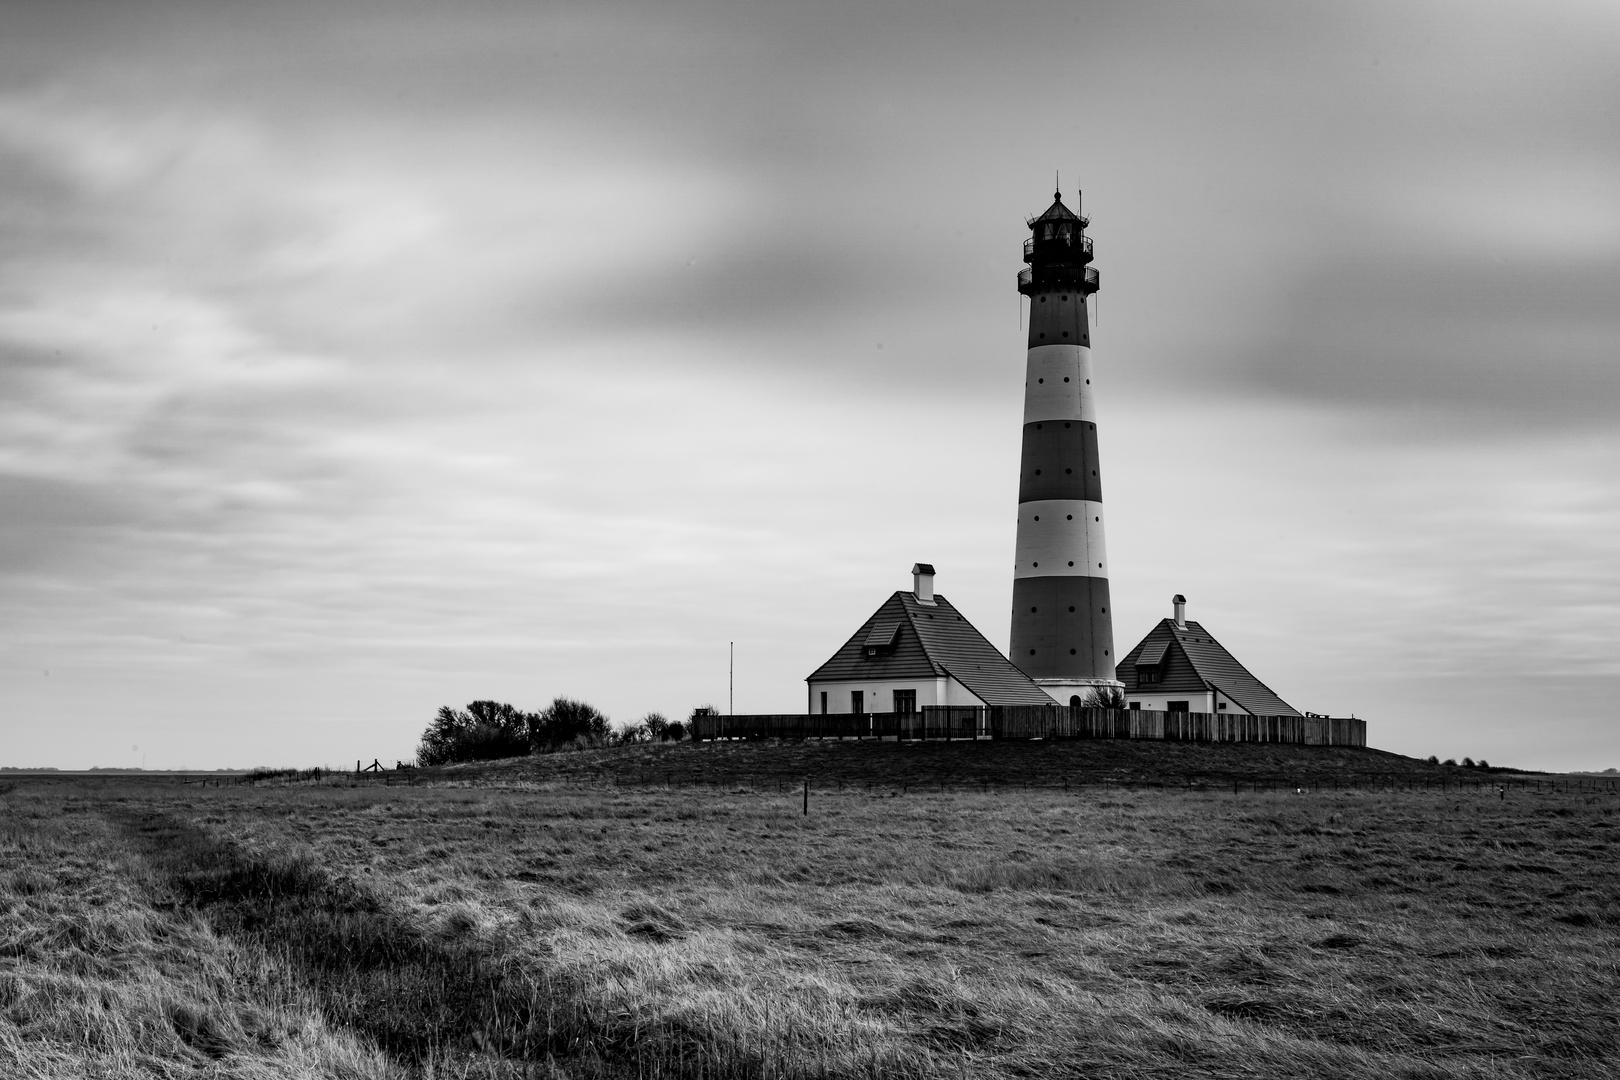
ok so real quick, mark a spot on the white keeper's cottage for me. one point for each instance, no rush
(1180, 667)
(916, 650)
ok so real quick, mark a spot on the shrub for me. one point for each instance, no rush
(1468, 763)
(650, 728)
(1433, 760)
(1450, 761)
(630, 734)
(566, 722)
(1105, 697)
(482, 731)
(677, 731)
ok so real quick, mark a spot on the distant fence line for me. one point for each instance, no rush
(1036, 722)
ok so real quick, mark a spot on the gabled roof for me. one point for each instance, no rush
(1192, 660)
(934, 640)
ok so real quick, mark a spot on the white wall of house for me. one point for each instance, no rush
(879, 694)
(1150, 697)
(1208, 701)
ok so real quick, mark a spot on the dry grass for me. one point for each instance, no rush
(483, 931)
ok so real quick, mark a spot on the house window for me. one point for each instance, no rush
(905, 702)
(1178, 706)
(1220, 706)
(857, 702)
(824, 703)
(1149, 673)
(1136, 705)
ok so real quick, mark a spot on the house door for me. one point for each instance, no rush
(857, 706)
(905, 714)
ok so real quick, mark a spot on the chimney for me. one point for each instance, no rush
(922, 582)
(1181, 610)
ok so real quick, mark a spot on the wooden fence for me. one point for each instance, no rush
(1036, 722)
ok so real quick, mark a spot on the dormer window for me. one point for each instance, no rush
(1150, 663)
(882, 640)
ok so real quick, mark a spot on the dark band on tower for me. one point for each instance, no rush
(1062, 633)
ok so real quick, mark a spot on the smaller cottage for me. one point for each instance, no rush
(917, 650)
(1180, 667)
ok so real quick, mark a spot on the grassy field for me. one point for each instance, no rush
(533, 928)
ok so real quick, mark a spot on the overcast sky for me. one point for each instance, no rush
(358, 359)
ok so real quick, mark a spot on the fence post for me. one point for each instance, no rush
(806, 797)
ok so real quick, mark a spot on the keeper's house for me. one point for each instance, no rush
(1180, 667)
(917, 650)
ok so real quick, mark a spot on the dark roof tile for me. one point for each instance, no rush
(883, 634)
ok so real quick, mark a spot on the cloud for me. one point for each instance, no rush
(355, 359)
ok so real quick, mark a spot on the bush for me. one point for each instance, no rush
(1433, 760)
(567, 722)
(483, 731)
(630, 735)
(1450, 761)
(1105, 697)
(654, 727)
(1468, 763)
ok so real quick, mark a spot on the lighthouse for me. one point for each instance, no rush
(1062, 630)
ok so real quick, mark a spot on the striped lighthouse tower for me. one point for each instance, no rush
(1062, 633)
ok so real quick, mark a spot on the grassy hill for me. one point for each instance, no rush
(970, 765)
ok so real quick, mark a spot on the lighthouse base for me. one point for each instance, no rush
(1064, 691)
